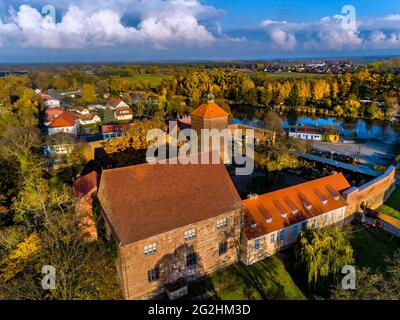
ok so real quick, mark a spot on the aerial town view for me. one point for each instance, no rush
(203, 151)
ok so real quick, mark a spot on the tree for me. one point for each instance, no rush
(60, 83)
(108, 116)
(321, 253)
(88, 93)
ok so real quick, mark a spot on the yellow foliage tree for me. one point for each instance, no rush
(16, 261)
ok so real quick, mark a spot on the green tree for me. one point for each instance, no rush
(60, 83)
(321, 253)
(108, 117)
(88, 93)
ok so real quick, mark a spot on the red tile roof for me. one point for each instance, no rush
(114, 102)
(85, 184)
(209, 110)
(276, 210)
(66, 119)
(146, 200)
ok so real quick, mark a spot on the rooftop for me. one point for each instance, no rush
(209, 110)
(65, 119)
(146, 200)
(275, 210)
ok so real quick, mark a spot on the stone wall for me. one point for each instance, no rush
(172, 250)
(372, 194)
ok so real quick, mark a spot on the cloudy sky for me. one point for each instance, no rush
(121, 30)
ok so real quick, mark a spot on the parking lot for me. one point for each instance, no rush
(368, 154)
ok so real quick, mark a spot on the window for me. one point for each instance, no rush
(282, 235)
(332, 218)
(272, 239)
(191, 260)
(257, 244)
(190, 234)
(223, 248)
(153, 274)
(149, 249)
(222, 223)
(304, 226)
(324, 219)
(314, 223)
(295, 230)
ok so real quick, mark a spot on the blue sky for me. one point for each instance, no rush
(123, 30)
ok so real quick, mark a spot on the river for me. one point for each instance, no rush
(363, 129)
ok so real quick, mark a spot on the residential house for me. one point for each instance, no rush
(115, 130)
(123, 113)
(114, 103)
(49, 101)
(65, 122)
(273, 221)
(81, 110)
(51, 114)
(88, 118)
(172, 223)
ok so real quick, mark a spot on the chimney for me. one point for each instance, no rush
(252, 196)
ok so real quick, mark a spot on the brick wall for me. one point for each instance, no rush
(172, 250)
(373, 194)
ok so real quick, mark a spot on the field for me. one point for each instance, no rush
(267, 279)
(292, 75)
(153, 79)
(392, 206)
(371, 246)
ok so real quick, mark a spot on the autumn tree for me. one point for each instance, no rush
(88, 93)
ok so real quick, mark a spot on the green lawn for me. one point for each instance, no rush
(371, 246)
(267, 279)
(392, 206)
(153, 79)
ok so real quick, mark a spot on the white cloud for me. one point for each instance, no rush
(92, 24)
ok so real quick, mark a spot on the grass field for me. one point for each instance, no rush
(392, 206)
(283, 75)
(371, 246)
(153, 79)
(267, 279)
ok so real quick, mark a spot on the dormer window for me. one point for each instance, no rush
(282, 211)
(265, 213)
(333, 193)
(291, 206)
(307, 204)
(321, 197)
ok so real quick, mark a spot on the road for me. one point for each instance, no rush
(369, 153)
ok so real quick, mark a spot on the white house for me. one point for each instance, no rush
(66, 122)
(52, 103)
(81, 110)
(123, 113)
(116, 103)
(88, 118)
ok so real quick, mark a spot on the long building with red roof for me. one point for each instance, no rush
(274, 220)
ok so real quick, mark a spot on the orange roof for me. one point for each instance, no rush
(66, 119)
(275, 210)
(209, 110)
